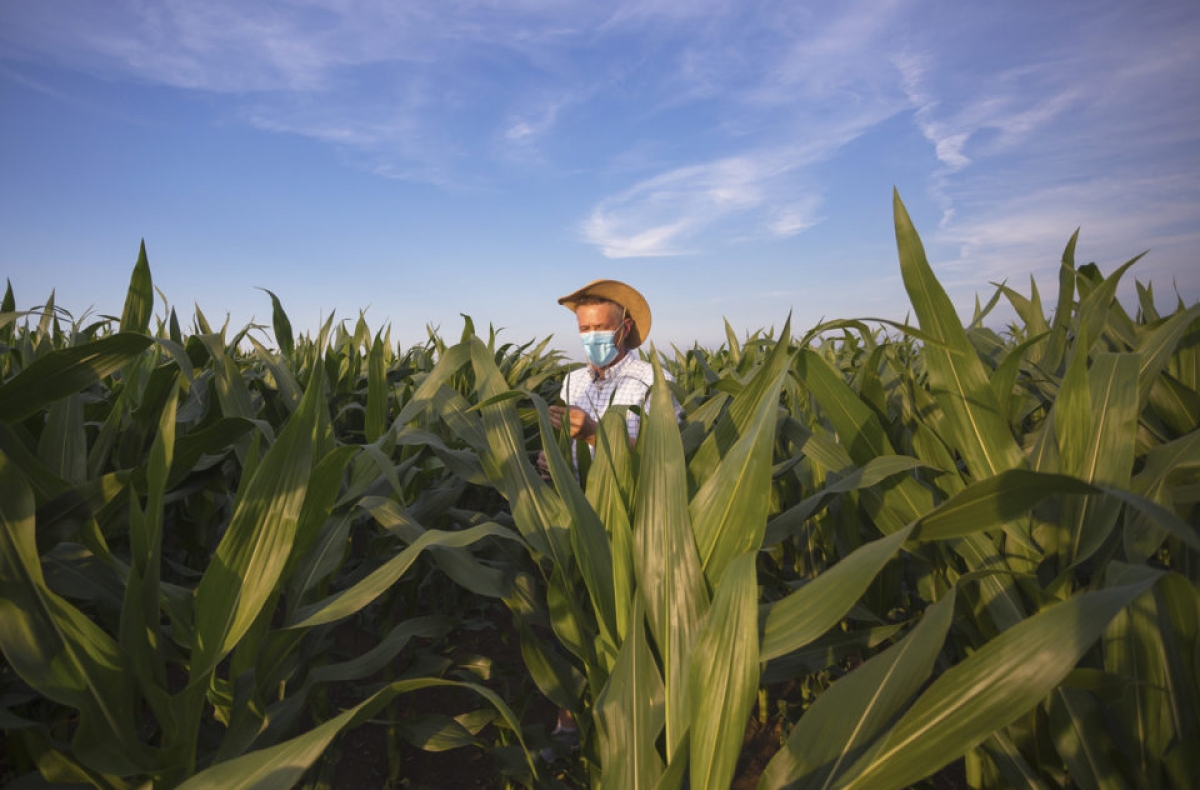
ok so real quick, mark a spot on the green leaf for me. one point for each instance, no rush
(377, 394)
(384, 653)
(1178, 605)
(630, 714)
(589, 542)
(56, 649)
(724, 676)
(284, 764)
(610, 490)
(729, 512)
(66, 371)
(1079, 734)
(60, 518)
(352, 599)
(254, 550)
(140, 632)
(63, 443)
(1134, 652)
(876, 471)
(991, 689)
(816, 607)
(1109, 450)
(956, 375)
(845, 720)
(435, 732)
(743, 409)
(1097, 308)
(284, 338)
(1162, 462)
(993, 501)
(1005, 377)
(139, 301)
(669, 575)
(1159, 345)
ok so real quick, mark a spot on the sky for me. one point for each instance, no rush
(734, 160)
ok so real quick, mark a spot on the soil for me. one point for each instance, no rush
(361, 761)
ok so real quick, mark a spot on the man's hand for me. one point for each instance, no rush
(580, 424)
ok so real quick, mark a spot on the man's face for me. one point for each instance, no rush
(598, 317)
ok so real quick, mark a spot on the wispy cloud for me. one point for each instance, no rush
(1024, 234)
(786, 75)
(671, 213)
(1098, 130)
(793, 218)
(399, 84)
(521, 136)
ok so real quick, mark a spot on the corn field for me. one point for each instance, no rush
(894, 547)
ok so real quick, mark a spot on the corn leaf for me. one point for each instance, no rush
(56, 649)
(812, 610)
(956, 375)
(284, 338)
(993, 501)
(669, 575)
(589, 542)
(139, 300)
(1082, 740)
(1108, 450)
(846, 719)
(729, 512)
(630, 714)
(66, 371)
(1134, 652)
(724, 676)
(377, 393)
(284, 764)
(992, 688)
(254, 550)
(352, 599)
(792, 520)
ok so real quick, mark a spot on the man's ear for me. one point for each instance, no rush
(626, 330)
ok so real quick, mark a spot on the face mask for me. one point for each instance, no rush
(600, 348)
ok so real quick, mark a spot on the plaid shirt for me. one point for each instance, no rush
(626, 383)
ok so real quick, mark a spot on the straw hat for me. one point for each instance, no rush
(624, 295)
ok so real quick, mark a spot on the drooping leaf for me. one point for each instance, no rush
(812, 610)
(284, 338)
(66, 371)
(283, 765)
(56, 649)
(845, 720)
(992, 688)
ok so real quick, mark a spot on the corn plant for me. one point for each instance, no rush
(174, 523)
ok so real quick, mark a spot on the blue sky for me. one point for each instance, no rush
(733, 160)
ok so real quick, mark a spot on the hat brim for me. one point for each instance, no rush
(625, 295)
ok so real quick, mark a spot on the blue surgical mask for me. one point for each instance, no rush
(600, 348)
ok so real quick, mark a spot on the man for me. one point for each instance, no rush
(613, 319)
